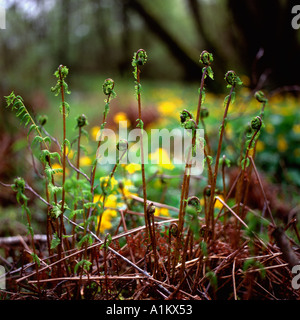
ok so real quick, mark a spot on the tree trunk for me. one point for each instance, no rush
(190, 66)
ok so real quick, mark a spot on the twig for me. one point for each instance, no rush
(91, 278)
(14, 240)
(266, 290)
(157, 204)
(263, 191)
(233, 279)
(225, 204)
(265, 268)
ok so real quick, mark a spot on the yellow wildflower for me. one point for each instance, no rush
(110, 200)
(85, 161)
(70, 153)
(167, 108)
(58, 166)
(296, 128)
(260, 146)
(97, 198)
(127, 186)
(162, 212)
(282, 144)
(106, 219)
(132, 168)
(121, 116)
(108, 214)
(161, 157)
(95, 132)
(104, 180)
(218, 203)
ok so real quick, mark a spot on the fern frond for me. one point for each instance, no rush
(17, 103)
